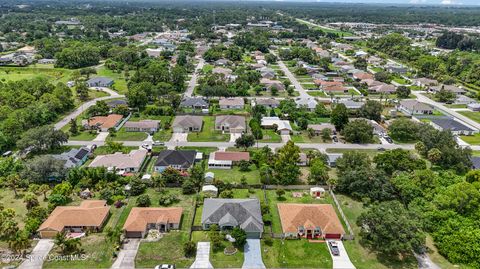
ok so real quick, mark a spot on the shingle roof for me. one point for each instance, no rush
(91, 213)
(309, 216)
(139, 217)
(194, 101)
(451, 124)
(100, 80)
(231, 156)
(184, 158)
(245, 212)
(119, 160)
(234, 122)
(105, 121)
(415, 105)
(231, 102)
(187, 121)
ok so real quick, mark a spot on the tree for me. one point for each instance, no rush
(73, 127)
(403, 92)
(114, 235)
(81, 89)
(189, 249)
(434, 155)
(137, 186)
(245, 141)
(339, 116)
(398, 160)
(445, 96)
(19, 242)
(42, 139)
(66, 245)
(171, 175)
(358, 131)
(244, 166)
(318, 172)
(286, 170)
(215, 237)
(326, 134)
(188, 187)
(13, 182)
(372, 110)
(280, 192)
(240, 237)
(30, 199)
(403, 130)
(143, 200)
(43, 168)
(389, 228)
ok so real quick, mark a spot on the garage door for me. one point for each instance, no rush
(253, 235)
(134, 234)
(333, 236)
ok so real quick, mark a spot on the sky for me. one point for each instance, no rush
(430, 2)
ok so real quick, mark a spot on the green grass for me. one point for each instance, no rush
(304, 138)
(220, 260)
(120, 84)
(326, 30)
(471, 139)
(8, 200)
(296, 254)
(270, 136)
(377, 69)
(401, 80)
(456, 105)
(471, 115)
(82, 136)
(123, 135)
(204, 150)
(234, 175)
(317, 93)
(371, 152)
(167, 250)
(208, 133)
(102, 150)
(19, 73)
(207, 68)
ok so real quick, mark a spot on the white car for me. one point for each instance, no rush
(165, 266)
(158, 143)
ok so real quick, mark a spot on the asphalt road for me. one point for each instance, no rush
(193, 80)
(291, 77)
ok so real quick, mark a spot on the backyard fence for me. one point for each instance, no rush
(350, 235)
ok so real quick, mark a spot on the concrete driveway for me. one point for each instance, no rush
(101, 137)
(126, 256)
(202, 260)
(38, 255)
(179, 137)
(341, 261)
(285, 138)
(234, 136)
(253, 255)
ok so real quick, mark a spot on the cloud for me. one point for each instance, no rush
(449, 2)
(418, 1)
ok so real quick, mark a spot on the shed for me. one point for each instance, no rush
(317, 192)
(210, 190)
(209, 176)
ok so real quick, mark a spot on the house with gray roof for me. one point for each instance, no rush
(230, 213)
(185, 124)
(266, 102)
(74, 157)
(194, 102)
(100, 82)
(351, 104)
(230, 123)
(414, 107)
(456, 127)
(450, 88)
(231, 103)
(179, 159)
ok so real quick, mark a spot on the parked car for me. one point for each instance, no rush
(334, 248)
(389, 140)
(335, 139)
(158, 143)
(165, 266)
(381, 149)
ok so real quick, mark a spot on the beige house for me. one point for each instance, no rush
(142, 219)
(147, 126)
(122, 163)
(186, 124)
(231, 103)
(230, 124)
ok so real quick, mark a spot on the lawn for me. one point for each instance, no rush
(120, 84)
(471, 139)
(123, 135)
(82, 136)
(8, 200)
(370, 152)
(101, 150)
(204, 150)
(296, 254)
(208, 133)
(168, 250)
(218, 258)
(19, 73)
(401, 81)
(317, 93)
(234, 175)
(270, 136)
(304, 138)
(471, 115)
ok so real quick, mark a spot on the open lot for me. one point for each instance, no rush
(234, 175)
(208, 133)
(123, 135)
(296, 254)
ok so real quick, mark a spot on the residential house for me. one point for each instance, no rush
(181, 160)
(74, 157)
(194, 103)
(231, 103)
(398, 69)
(90, 215)
(103, 123)
(230, 123)
(475, 162)
(362, 76)
(302, 159)
(230, 213)
(283, 127)
(464, 100)
(147, 126)
(335, 89)
(383, 88)
(225, 72)
(269, 84)
(414, 107)
(351, 104)
(120, 162)
(450, 88)
(221, 62)
(143, 219)
(309, 103)
(185, 124)
(332, 159)
(100, 82)
(226, 159)
(456, 127)
(318, 128)
(425, 82)
(267, 102)
(474, 107)
(310, 221)
(117, 102)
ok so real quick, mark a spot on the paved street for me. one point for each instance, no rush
(193, 80)
(202, 260)
(113, 94)
(424, 262)
(126, 256)
(38, 255)
(291, 77)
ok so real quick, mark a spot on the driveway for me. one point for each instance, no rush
(39, 253)
(424, 262)
(202, 260)
(179, 137)
(126, 256)
(253, 255)
(341, 261)
(234, 137)
(285, 138)
(101, 137)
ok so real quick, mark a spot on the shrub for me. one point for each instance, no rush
(189, 249)
(143, 200)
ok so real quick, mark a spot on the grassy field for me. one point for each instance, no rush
(39, 71)
(120, 84)
(304, 138)
(123, 135)
(471, 139)
(270, 136)
(471, 115)
(218, 258)
(8, 200)
(208, 133)
(296, 254)
(234, 175)
(317, 93)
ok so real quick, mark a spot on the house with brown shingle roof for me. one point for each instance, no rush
(230, 124)
(310, 221)
(103, 123)
(231, 103)
(90, 215)
(142, 219)
(130, 162)
(226, 159)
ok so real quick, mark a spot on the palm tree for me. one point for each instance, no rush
(159, 182)
(61, 241)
